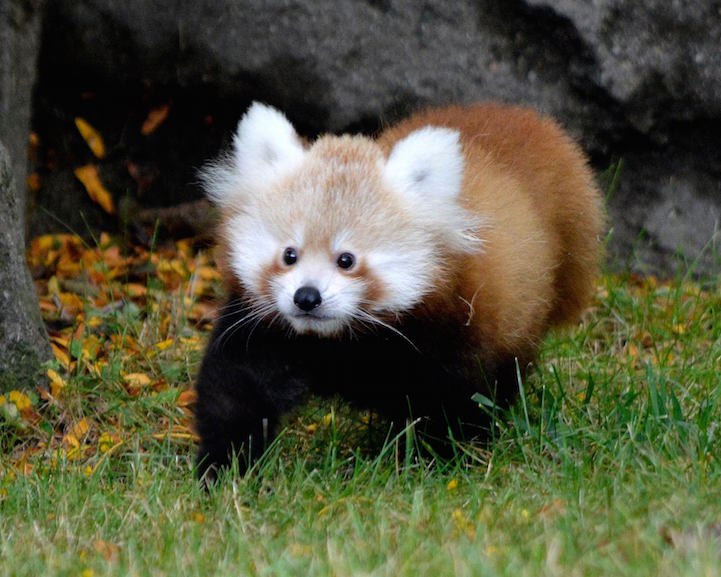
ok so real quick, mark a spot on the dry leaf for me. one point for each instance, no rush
(60, 355)
(136, 380)
(187, 398)
(33, 181)
(57, 383)
(91, 136)
(162, 345)
(155, 118)
(109, 551)
(135, 290)
(20, 399)
(76, 433)
(90, 178)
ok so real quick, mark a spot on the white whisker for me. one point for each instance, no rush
(375, 320)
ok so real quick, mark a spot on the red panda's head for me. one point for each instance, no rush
(336, 235)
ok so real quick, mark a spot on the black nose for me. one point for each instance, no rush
(306, 298)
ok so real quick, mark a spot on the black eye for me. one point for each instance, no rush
(289, 255)
(346, 260)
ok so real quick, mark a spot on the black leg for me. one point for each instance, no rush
(238, 409)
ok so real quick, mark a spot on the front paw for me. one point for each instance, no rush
(232, 450)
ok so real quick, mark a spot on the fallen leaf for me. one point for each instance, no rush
(135, 290)
(33, 181)
(60, 355)
(107, 441)
(57, 383)
(20, 399)
(76, 433)
(91, 136)
(155, 118)
(186, 398)
(137, 380)
(109, 551)
(162, 345)
(97, 192)
(33, 145)
(208, 273)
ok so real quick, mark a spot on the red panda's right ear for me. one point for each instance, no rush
(265, 147)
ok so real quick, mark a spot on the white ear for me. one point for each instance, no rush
(265, 147)
(427, 167)
(426, 170)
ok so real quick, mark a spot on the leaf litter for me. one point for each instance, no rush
(127, 326)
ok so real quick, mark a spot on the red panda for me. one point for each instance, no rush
(404, 273)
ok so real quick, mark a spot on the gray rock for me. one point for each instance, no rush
(631, 80)
(23, 341)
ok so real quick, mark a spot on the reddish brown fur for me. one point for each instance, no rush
(541, 252)
(543, 219)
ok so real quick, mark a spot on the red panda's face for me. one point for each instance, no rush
(329, 247)
(337, 236)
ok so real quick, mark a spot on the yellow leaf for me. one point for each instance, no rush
(463, 523)
(76, 433)
(452, 485)
(21, 400)
(71, 302)
(91, 137)
(135, 290)
(194, 343)
(60, 355)
(208, 273)
(63, 342)
(107, 441)
(137, 379)
(57, 383)
(53, 286)
(155, 118)
(97, 192)
(42, 243)
(162, 345)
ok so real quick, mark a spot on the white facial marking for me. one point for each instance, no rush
(252, 247)
(405, 277)
(339, 295)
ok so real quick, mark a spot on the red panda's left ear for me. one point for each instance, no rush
(265, 147)
(427, 166)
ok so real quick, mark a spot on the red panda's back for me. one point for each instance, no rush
(544, 221)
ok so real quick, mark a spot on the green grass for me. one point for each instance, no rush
(609, 465)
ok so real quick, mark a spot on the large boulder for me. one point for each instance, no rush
(634, 81)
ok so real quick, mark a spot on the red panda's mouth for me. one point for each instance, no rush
(310, 316)
(321, 325)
